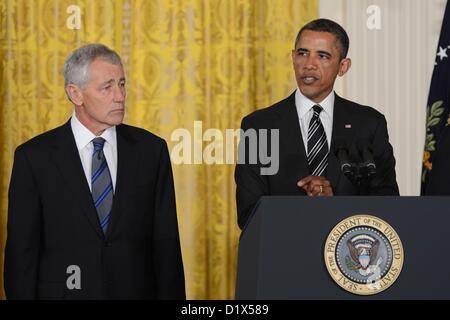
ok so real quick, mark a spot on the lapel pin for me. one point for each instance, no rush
(348, 126)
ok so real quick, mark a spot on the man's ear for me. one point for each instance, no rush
(345, 66)
(75, 94)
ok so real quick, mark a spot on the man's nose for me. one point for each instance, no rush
(311, 62)
(119, 94)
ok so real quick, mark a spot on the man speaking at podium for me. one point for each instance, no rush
(92, 210)
(321, 135)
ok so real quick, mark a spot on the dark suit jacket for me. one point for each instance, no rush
(53, 224)
(439, 179)
(366, 123)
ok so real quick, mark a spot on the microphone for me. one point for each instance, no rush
(367, 157)
(342, 155)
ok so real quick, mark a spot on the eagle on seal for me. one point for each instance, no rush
(363, 250)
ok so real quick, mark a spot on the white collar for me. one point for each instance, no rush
(304, 104)
(83, 136)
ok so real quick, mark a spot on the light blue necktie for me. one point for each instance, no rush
(102, 188)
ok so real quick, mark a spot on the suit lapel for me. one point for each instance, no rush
(67, 159)
(292, 136)
(126, 169)
(342, 131)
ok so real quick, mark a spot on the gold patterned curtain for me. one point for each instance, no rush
(212, 61)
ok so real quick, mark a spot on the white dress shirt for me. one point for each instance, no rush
(83, 139)
(305, 113)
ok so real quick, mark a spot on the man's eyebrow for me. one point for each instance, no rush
(107, 82)
(324, 53)
(111, 81)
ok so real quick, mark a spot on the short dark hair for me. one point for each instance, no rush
(325, 25)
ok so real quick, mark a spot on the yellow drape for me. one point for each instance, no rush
(188, 60)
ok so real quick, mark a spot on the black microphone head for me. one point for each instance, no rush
(364, 147)
(341, 152)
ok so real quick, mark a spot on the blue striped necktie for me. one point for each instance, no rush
(317, 145)
(102, 189)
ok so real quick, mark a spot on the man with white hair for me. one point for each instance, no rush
(92, 211)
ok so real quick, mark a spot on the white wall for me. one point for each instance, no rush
(391, 70)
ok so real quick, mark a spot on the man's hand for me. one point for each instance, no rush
(316, 186)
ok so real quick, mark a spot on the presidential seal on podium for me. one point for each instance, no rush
(363, 254)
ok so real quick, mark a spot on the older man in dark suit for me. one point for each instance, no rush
(92, 210)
